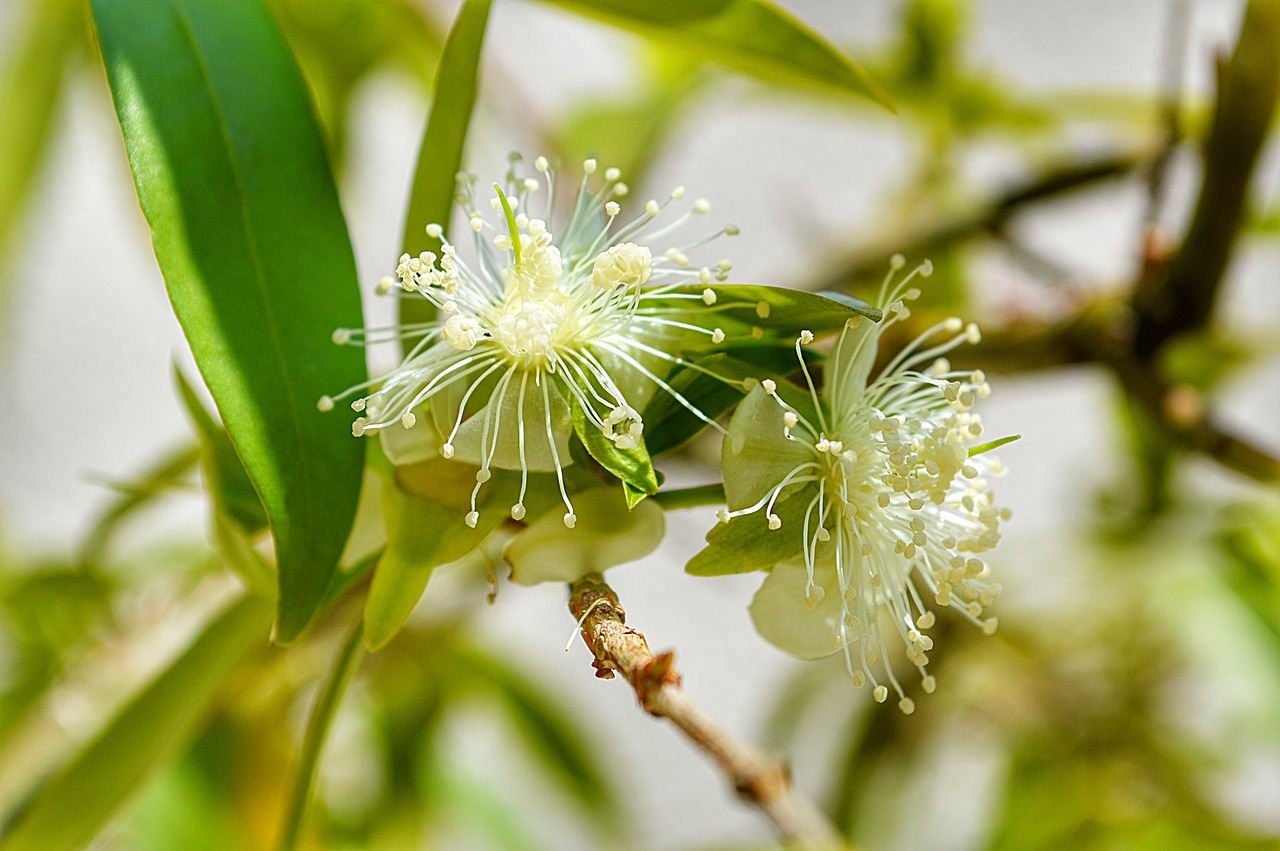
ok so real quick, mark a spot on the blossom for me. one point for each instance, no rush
(546, 322)
(884, 506)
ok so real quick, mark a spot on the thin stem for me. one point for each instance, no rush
(326, 706)
(757, 777)
(693, 497)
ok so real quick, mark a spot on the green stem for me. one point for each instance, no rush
(690, 497)
(322, 713)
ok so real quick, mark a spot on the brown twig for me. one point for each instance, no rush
(1181, 300)
(986, 218)
(756, 776)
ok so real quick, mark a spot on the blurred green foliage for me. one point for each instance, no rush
(195, 744)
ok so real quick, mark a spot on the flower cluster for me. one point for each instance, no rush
(545, 321)
(891, 504)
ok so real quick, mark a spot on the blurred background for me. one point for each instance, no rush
(1046, 157)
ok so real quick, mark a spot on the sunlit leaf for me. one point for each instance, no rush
(233, 178)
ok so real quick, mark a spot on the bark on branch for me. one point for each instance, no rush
(757, 777)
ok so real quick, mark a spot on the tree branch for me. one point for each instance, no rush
(1182, 299)
(757, 777)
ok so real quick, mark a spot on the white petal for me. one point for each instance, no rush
(605, 534)
(782, 615)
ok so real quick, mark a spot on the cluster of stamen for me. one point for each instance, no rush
(898, 492)
(541, 320)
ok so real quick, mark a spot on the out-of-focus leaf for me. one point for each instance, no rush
(232, 175)
(440, 157)
(627, 132)
(339, 43)
(179, 810)
(551, 736)
(69, 809)
(754, 37)
(1251, 537)
(166, 474)
(46, 614)
(480, 804)
(30, 94)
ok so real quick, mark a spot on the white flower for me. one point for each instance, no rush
(544, 320)
(875, 481)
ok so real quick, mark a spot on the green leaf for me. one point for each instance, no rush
(751, 315)
(233, 178)
(423, 534)
(69, 809)
(754, 37)
(30, 94)
(440, 157)
(633, 467)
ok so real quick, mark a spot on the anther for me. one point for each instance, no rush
(325, 403)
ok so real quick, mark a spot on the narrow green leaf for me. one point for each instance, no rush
(30, 94)
(754, 37)
(322, 713)
(440, 158)
(633, 467)
(69, 809)
(233, 178)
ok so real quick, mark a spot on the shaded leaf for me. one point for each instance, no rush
(233, 178)
(75, 803)
(754, 37)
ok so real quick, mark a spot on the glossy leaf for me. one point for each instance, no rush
(69, 809)
(755, 37)
(233, 178)
(440, 158)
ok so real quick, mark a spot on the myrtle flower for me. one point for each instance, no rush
(546, 319)
(876, 483)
